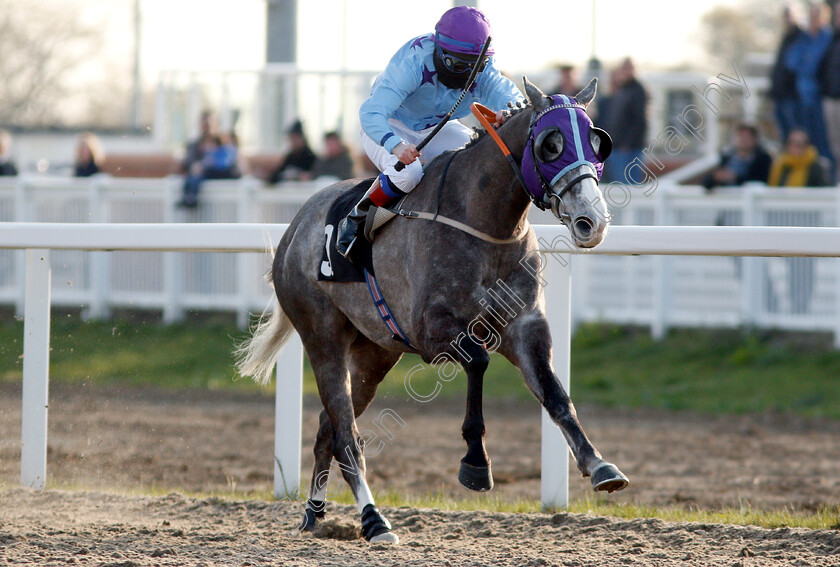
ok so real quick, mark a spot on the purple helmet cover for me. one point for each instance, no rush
(463, 29)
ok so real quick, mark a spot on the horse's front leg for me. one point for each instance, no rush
(445, 335)
(528, 346)
(475, 472)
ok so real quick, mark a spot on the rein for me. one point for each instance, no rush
(436, 217)
(484, 116)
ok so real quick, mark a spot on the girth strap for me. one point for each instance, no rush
(463, 227)
(385, 312)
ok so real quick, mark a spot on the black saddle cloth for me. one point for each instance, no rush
(333, 266)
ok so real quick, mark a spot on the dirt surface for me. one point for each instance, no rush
(124, 440)
(92, 528)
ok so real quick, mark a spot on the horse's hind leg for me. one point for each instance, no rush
(320, 474)
(334, 387)
(368, 366)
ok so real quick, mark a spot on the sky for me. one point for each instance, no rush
(528, 34)
(530, 37)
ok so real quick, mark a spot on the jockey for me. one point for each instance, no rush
(412, 95)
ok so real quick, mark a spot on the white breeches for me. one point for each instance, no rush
(452, 136)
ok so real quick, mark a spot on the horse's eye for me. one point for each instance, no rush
(595, 140)
(549, 145)
(601, 143)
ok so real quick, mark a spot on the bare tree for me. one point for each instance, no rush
(42, 44)
(731, 32)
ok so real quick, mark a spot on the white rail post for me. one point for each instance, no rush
(663, 266)
(245, 266)
(36, 368)
(752, 292)
(288, 413)
(99, 273)
(837, 275)
(173, 281)
(554, 478)
(21, 215)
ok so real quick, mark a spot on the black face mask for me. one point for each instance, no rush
(446, 77)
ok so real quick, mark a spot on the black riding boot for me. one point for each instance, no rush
(350, 227)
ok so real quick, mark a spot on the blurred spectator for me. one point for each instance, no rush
(335, 161)
(299, 160)
(783, 80)
(568, 83)
(606, 90)
(803, 58)
(799, 165)
(89, 155)
(7, 166)
(745, 161)
(207, 140)
(829, 76)
(626, 121)
(220, 161)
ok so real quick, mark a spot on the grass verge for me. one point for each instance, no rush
(827, 517)
(710, 371)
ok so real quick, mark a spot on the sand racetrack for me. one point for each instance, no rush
(105, 439)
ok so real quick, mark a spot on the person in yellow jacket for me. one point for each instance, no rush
(799, 165)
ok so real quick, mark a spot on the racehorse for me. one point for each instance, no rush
(440, 280)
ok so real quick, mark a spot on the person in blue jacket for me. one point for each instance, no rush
(412, 95)
(803, 58)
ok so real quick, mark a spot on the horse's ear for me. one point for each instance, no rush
(537, 98)
(587, 93)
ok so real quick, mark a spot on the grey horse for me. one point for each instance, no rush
(446, 288)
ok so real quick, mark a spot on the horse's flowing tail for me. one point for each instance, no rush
(256, 356)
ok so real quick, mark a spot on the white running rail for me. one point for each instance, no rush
(38, 239)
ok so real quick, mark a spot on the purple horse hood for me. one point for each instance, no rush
(568, 118)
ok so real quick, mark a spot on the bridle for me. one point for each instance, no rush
(534, 144)
(537, 175)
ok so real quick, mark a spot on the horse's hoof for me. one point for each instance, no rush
(314, 512)
(475, 478)
(606, 476)
(375, 528)
(387, 537)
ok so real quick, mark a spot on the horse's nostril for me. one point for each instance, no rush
(583, 226)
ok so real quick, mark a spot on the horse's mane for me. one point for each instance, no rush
(479, 132)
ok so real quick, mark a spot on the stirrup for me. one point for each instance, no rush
(348, 253)
(338, 244)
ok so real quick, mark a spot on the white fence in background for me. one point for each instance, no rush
(41, 240)
(170, 282)
(662, 292)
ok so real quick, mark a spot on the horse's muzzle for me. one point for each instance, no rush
(585, 232)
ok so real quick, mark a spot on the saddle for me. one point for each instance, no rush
(336, 268)
(333, 266)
